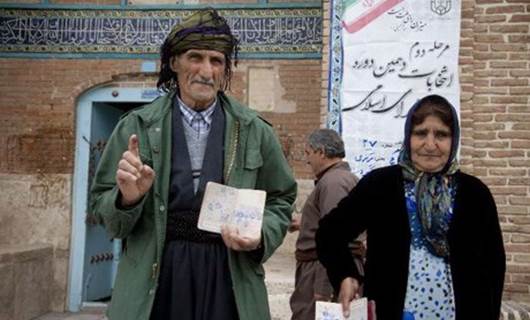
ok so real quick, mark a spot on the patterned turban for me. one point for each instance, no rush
(206, 30)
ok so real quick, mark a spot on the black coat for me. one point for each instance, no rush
(377, 205)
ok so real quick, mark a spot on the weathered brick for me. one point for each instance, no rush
(522, 279)
(484, 135)
(519, 163)
(520, 200)
(523, 38)
(518, 268)
(482, 117)
(518, 109)
(520, 91)
(520, 238)
(492, 72)
(509, 65)
(516, 287)
(506, 172)
(491, 144)
(514, 228)
(523, 144)
(513, 117)
(488, 126)
(510, 191)
(519, 56)
(521, 126)
(489, 38)
(510, 28)
(490, 163)
(490, 181)
(520, 221)
(520, 18)
(506, 153)
(519, 181)
(514, 135)
(506, 9)
(507, 47)
(491, 18)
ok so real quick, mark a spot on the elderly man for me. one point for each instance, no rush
(151, 179)
(324, 152)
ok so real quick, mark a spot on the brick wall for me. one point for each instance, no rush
(501, 125)
(495, 113)
(37, 107)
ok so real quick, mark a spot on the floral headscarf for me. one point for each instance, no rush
(433, 195)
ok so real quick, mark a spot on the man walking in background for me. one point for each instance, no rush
(334, 180)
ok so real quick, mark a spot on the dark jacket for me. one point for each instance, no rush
(377, 205)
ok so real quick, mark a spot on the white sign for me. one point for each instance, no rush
(393, 53)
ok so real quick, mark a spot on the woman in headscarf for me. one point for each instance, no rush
(435, 248)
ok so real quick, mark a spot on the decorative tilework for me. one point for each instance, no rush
(335, 67)
(283, 31)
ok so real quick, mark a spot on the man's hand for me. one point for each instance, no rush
(234, 241)
(349, 290)
(133, 177)
(295, 222)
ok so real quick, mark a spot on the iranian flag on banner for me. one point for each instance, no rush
(393, 53)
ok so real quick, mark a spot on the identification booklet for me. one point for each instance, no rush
(240, 208)
(333, 311)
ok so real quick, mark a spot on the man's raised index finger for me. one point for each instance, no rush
(133, 145)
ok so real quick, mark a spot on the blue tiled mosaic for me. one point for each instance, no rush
(142, 32)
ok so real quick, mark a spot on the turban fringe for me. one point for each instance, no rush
(204, 29)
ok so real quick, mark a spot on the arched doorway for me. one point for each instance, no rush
(94, 256)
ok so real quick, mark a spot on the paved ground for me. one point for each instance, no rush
(279, 278)
(280, 282)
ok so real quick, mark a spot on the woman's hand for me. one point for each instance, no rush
(349, 290)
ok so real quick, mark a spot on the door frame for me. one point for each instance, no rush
(83, 122)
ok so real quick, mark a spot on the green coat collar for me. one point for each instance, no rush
(162, 105)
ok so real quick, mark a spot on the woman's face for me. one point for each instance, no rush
(430, 145)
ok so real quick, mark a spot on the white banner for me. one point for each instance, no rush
(393, 53)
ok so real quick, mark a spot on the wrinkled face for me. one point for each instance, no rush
(314, 158)
(200, 75)
(430, 145)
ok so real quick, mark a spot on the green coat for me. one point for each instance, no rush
(253, 159)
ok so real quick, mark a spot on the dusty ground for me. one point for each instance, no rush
(279, 278)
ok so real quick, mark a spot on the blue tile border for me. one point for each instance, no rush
(289, 33)
(334, 120)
